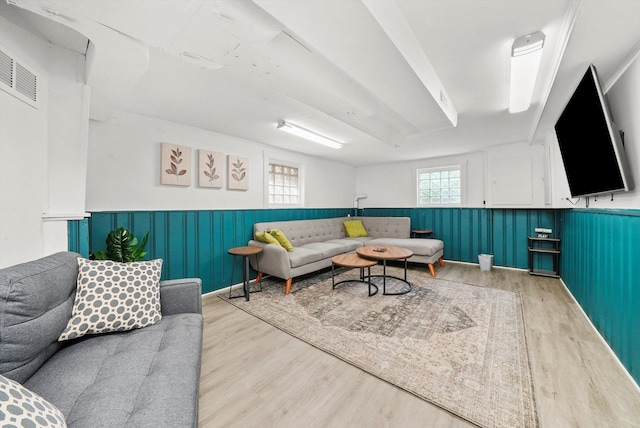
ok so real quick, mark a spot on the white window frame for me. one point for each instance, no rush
(301, 188)
(463, 174)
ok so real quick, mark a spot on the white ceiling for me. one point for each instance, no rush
(393, 79)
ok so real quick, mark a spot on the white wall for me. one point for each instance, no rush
(124, 169)
(516, 176)
(624, 103)
(395, 184)
(42, 162)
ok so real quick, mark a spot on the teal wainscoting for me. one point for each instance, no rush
(468, 232)
(195, 243)
(600, 266)
(78, 236)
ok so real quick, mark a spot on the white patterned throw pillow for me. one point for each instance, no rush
(113, 296)
(20, 407)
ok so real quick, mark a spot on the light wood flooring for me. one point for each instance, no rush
(254, 375)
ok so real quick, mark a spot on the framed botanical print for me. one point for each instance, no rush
(237, 173)
(175, 165)
(210, 168)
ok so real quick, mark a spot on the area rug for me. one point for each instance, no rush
(458, 346)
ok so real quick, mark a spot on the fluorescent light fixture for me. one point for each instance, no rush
(309, 135)
(526, 54)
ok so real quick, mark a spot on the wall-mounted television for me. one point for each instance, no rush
(591, 146)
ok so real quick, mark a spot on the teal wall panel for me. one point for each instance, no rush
(599, 263)
(468, 232)
(78, 236)
(600, 250)
(193, 243)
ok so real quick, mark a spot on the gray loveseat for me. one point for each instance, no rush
(146, 377)
(316, 241)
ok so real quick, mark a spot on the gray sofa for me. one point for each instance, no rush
(316, 241)
(146, 377)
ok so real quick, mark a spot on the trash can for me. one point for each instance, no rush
(486, 261)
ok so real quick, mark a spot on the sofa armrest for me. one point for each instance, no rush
(179, 296)
(273, 260)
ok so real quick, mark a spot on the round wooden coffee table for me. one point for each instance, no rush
(352, 260)
(385, 253)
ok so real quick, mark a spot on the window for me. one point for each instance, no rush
(284, 185)
(440, 186)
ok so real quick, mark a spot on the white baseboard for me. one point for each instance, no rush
(234, 287)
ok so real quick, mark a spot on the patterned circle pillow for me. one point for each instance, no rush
(20, 407)
(113, 296)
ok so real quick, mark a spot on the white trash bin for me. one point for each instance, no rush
(486, 261)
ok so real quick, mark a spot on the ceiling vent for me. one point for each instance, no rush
(17, 80)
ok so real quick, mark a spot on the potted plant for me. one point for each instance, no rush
(122, 246)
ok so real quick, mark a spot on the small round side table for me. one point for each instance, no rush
(245, 252)
(420, 232)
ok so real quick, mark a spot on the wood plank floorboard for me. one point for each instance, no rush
(254, 375)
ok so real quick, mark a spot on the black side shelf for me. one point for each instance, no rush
(545, 247)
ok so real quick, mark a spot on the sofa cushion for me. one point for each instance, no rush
(20, 407)
(282, 239)
(347, 244)
(302, 256)
(355, 228)
(300, 232)
(35, 304)
(267, 238)
(138, 378)
(114, 296)
(388, 227)
(421, 247)
(327, 249)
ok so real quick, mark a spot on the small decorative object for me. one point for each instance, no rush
(380, 249)
(175, 165)
(238, 173)
(122, 246)
(210, 165)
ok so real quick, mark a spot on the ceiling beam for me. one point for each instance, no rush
(394, 24)
(568, 23)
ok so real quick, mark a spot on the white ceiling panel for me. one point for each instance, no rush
(339, 67)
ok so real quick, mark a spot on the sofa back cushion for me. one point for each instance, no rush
(36, 299)
(387, 227)
(301, 232)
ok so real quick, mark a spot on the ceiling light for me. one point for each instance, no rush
(309, 135)
(526, 54)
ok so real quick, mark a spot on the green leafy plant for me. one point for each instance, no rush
(122, 246)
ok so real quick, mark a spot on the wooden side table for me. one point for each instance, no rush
(419, 233)
(244, 252)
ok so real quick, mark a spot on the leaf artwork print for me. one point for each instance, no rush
(211, 172)
(210, 168)
(176, 160)
(175, 165)
(238, 172)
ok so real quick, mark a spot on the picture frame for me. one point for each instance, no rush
(237, 172)
(175, 165)
(210, 169)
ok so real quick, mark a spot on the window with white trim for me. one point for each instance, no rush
(440, 186)
(285, 185)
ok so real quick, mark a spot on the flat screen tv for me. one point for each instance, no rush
(591, 146)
